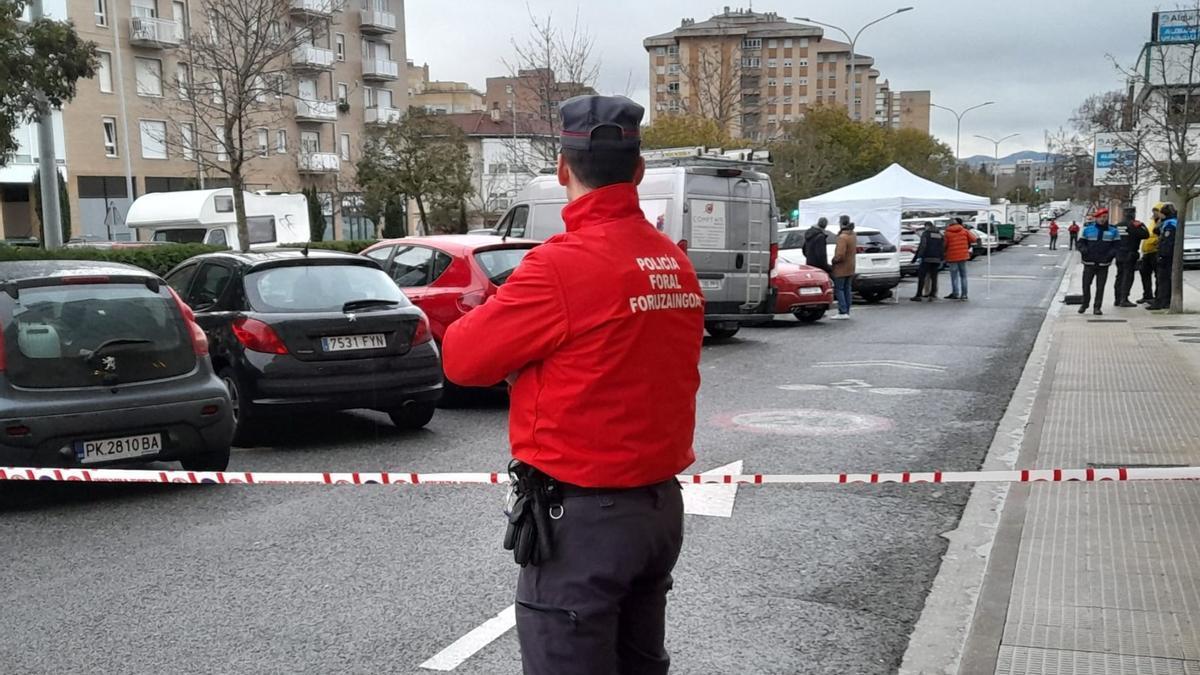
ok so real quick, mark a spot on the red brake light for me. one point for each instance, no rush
(683, 244)
(199, 339)
(422, 334)
(774, 256)
(860, 249)
(17, 431)
(258, 336)
(94, 279)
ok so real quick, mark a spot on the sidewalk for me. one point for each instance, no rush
(1089, 577)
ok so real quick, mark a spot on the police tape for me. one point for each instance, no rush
(496, 478)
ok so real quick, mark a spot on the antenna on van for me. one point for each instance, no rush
(306, 249)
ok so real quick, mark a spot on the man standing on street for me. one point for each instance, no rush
(599, 330)
(1149, 262)
(1073, 230)
(1132, 233)
(1167, 230)
(845, 258)
(930, 252)
(816, 251)
(1053, 235)
(959, 241)
(1097, 249)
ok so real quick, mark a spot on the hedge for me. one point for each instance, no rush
(158, 259)
(348, 246)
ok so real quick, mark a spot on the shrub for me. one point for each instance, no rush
(347, 246)
(158, 259)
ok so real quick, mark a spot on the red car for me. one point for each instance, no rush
(449, 275)
(801, 290)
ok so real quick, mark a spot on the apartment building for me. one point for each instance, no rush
(755, 72)
(902, 109)
(440, 96)
(349, 76)
(534, 91)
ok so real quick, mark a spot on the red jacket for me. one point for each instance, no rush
(1053, 227)
(602, 326)
(958, 243)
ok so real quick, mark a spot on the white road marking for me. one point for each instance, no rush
(893, 391)
(1012, 276)
(887, 364)
(712, 500)
(803, 387)
(468, 645)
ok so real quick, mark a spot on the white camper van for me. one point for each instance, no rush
(207, 217)
(723, 217)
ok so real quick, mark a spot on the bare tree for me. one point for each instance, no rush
(716, 75)
(235, 79)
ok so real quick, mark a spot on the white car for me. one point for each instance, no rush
(877, 263)
(1191, 249)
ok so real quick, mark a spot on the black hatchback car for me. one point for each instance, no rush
(295, 331)
(102, 364)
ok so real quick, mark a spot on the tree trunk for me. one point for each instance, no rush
(421, 210)
(239, 209)
(1177, 266)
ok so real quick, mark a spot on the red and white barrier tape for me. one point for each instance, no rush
(402, 478)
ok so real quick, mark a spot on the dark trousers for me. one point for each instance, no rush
(1147, 268)
(927, 279)
(598, 606)
(1100, 274)
(1074, 239)
(1162, 280)
(1053, 242)
(1126, 270)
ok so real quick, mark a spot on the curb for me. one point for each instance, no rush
(939, 640)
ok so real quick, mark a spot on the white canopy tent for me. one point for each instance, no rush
(879, 201)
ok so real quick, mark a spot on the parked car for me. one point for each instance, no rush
(294, 331)
(803, 291)
(449, 275)
(1191, 249)
(909, 241)
(877, 264)
(102, 364)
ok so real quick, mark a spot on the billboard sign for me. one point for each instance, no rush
(1176, 26)
(1113, 161)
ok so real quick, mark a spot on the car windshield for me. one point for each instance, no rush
(499, 264)
(791, 239)
(95, 334)
(191, 235)
(319, 288)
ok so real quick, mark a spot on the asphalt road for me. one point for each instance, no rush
(152, 579)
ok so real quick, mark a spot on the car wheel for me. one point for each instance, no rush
(722, 331)
(208, 461)
(413, 415)
(243, 418)
(809, 315)
(875, 296)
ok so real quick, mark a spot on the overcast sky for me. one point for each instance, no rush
(1036, 59)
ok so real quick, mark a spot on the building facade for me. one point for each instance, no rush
(439, 96)
(902, 109)
(536, 92)
(349, 76)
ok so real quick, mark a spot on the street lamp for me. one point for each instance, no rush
(996, 143)
(853, 41)
(958, 132)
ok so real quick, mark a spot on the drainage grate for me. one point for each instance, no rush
(1102, 465)
(1173, 327)
(1108, 321)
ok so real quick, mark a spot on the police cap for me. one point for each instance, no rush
(583, 115)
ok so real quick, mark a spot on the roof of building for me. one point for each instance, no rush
(738, 22)
(482, 124)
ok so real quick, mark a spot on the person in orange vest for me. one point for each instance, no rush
(599, 331)
(1053, 235)
(1073, 230)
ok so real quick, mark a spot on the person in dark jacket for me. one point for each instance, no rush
(1097, 248)
(1167, 229)
(815, 252)
(1133, 232)
(930, 253)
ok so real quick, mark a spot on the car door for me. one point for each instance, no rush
(209, 299)
(416, 269)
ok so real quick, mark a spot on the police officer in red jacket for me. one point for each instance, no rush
(599, 331)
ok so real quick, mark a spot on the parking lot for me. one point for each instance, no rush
(382, 579)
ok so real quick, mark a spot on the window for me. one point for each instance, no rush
(264, 142)
(339, 46)
(149, 76)
(787, 99)
(380, 254)
(216, 238)
(803, 43)
(146, 9)
(344, 147)
(787, 43)
(771, 82)
(673, 69)
(803, 81)
(317, 288)
(673, 50)
(310, 142)
(223, 204)
(413, 266)
(673, 87)
(261, 229)
(182, 80)
(497, 168)
(772, 44)
(660, 51)
(110, 136)
(803, 63)
(752, 43)
(104, 71)
(660, 70)
(187, 137)
(787, 63)
(154, 139)
(787, 81)
(368, 101)
(222, 152)
(751, 62)
(772, 63)
(209, 286)
(281, 141)
(343, 92)
(101, 10)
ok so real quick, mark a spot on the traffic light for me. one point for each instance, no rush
(795, 214)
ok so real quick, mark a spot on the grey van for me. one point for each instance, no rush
(723, 217)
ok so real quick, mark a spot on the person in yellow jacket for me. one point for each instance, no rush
(1149, 261)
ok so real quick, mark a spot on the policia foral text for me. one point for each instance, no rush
(599, 331)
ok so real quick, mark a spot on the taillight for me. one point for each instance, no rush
(258, 336)
(199, 339)
(774, 256)
(93, 279)
(683, 245)
(17, 431)
(422, 334)
(469, 301)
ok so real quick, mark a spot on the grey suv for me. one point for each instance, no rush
(101, 364)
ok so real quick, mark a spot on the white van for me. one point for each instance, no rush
(723, 217)
(207, 217)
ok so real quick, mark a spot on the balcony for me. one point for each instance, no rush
(315, 8)
(154, 33)
(308, 57)
(380, 69)
(318, 162)
(383, 115)
(376, 22)
(315, 111)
